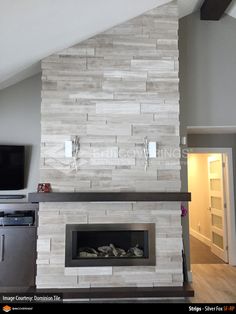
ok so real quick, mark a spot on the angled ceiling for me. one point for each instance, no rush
(187, 7)
(31, 30)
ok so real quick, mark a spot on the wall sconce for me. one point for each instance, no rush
(72, 150)
(75, 150)
(150, 151)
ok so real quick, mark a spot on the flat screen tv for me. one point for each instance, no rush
(12, 160)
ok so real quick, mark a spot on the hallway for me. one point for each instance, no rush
(200, 253)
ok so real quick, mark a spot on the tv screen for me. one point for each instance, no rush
(12, 160)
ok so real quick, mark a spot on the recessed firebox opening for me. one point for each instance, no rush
(110, 245)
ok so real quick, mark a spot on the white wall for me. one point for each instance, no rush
(32, 30)
(207, 89)
(207, 71)
(20, 125)
(198, 186)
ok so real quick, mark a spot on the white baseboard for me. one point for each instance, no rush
(200, 237)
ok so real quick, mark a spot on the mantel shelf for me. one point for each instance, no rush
(109, 197)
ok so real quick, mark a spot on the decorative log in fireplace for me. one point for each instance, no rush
(110, 245)
(109, 251)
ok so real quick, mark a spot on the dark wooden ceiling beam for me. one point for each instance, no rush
(212, 10)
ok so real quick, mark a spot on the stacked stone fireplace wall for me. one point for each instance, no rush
(112, 91)
(51, 271)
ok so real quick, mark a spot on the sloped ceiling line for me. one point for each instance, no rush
(32, 30)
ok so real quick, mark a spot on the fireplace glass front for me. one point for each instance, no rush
(110, 245)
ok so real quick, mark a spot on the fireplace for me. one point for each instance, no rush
(110, 245)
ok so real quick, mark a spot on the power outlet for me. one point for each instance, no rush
(199, 226)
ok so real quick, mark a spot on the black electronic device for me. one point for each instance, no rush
(11, 196)
(17, 218)
(16, 221)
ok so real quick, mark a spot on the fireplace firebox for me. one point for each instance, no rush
(110, 245)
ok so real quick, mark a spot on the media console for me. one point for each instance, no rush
(18, 231)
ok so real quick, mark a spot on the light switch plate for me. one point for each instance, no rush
(68, 149)
(184, 140)
(152, 149)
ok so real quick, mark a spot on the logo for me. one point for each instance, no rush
(6, 308)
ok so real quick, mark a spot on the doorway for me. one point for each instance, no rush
(212, 231)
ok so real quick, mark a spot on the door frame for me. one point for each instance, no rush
(229, 194)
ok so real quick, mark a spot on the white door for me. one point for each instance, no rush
(217, 206)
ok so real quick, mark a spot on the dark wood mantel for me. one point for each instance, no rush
(109, 197)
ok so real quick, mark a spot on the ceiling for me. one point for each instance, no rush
(31, 30)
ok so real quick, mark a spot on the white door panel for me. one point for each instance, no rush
(217, 206)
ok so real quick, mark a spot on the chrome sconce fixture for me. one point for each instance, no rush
(72, 148)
